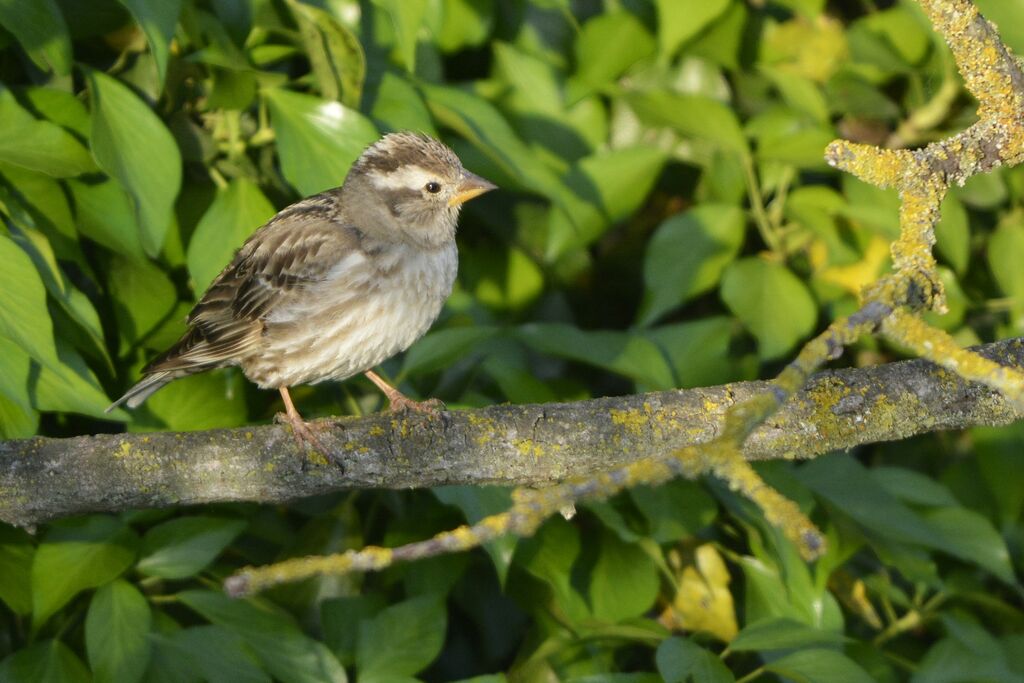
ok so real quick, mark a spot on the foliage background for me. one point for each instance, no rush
(665, 220)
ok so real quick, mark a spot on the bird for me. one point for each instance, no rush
(334, 284)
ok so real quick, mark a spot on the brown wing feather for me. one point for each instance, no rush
(296, 248)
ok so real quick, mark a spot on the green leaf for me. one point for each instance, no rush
(953, 234)
(1005, 251)
(183, 547)
(317, 140)
(217, 655)
(1009, 17)
(782, 634)
(287, 654)
(16, 552)
(235, 214)
(680, 20)
(401, 640)
(48, 661)
(698, 351)
(957, 531)
(98, 547)
(687, 254)
(24, 318)
(465, 23)
(620, 352)
(116, 629)
(39, 145)
(340, 619)
(693, 116)
(406, 18)
(42, 32)
(601, 197)
(477, 502)
(440, 348)
(74, 302)
(675, 510)
(683, 661)
(334, 52)
(479, 122)
(624, 581)
(549, 556)
(131, 144)
(104, 214)
(157, 19)
(606, 46)
(971, 537)
(204, 401)
(913, 487)
(848, 485)
(15, 369)
(398, 105)
(142, 296)
(17, 421)
(819, 666)
(72, 387)
(60, 107)
(773, 303)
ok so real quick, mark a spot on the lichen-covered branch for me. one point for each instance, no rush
(533, 445)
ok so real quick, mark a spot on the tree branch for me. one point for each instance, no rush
(43, 479)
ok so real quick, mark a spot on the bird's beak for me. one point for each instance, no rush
(471, 185)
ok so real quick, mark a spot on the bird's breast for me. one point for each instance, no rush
(370, 307)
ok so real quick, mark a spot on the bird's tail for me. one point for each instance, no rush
(145, 388)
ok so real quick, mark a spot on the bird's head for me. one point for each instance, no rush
(410, 183)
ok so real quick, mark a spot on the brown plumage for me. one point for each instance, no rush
(336, 283)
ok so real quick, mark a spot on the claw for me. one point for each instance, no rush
(304, 432)
(399, 402)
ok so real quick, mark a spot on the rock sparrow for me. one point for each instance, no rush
(334, 284)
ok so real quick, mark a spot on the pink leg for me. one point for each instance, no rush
(400, 402)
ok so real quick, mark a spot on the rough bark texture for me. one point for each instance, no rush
(43, 479)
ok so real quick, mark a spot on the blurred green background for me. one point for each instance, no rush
(665, 220)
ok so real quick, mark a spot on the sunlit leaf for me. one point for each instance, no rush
(772, 302)
(334, 52)
(157, 19)
(36, 144)
(680, 20)
(687, 254)
(132, 144)
(317, 140)
(235, 214)
(24, 318)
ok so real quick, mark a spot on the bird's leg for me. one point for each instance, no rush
(303, 431)
(400, 401)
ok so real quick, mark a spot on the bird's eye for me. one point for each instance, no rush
(433, 187)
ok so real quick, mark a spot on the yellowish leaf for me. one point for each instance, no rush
(703, 602)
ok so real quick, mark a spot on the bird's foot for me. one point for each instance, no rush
(305, 434)
(400, 403)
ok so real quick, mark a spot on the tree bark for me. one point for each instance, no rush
(42, 479)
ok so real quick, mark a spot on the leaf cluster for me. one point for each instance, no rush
(666, 219)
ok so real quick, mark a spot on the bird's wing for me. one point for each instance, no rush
(295, 250)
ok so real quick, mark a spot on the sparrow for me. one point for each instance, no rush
(334, 284)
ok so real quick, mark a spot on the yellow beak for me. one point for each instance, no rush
(470, 185)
